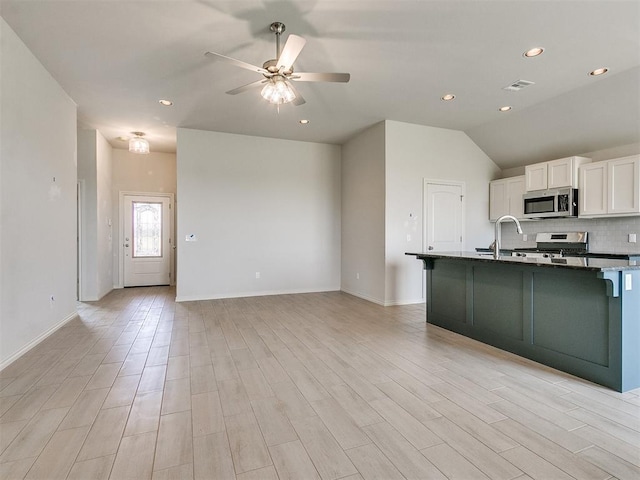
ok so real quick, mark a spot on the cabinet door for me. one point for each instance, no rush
(515, 190)
(536, 176)
(624, 185)
(498, 201)
(592, 189)
(560, 173)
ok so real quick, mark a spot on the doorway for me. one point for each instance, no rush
(146, 239)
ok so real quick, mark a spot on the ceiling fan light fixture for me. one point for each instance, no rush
(138, 144)
(278, 91)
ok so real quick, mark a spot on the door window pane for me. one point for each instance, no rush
(147, 229)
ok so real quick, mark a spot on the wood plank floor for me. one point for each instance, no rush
(314, 386)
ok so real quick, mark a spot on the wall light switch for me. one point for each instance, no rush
(191, 238)
(632, 238)
(408, 238)
(628, 281)
(524, 237)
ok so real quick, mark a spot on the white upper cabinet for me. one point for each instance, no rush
(624, 185)
(536, 176)
(610, 188)
(505, 197)
(554, 174)
(593, 190)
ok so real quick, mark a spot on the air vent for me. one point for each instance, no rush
(518, 85)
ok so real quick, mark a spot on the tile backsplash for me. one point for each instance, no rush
(606, 235)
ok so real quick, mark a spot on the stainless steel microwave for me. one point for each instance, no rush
(561, 202)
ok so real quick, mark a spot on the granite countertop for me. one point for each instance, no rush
(577, 263)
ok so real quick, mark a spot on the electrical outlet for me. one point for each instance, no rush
(257, 274)
(524, 237)
(632, 238)
(357, 276)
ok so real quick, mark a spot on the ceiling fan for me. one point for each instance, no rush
(278, 73)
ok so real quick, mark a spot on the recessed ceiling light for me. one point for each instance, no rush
(447, 97)
(534, 52)
(506, 108)
(304, 122)
(599, 71)
(166, 103)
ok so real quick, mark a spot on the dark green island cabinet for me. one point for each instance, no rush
(578, 315)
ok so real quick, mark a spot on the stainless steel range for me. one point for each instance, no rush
(556, 245)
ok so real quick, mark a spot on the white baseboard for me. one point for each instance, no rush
(37, 340)
(383, 303)
(364, 297)
(404, 302)
(195, 298)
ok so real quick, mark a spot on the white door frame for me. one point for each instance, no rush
(172, 240)
(457, 183)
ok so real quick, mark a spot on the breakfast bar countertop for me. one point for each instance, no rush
(578, 263)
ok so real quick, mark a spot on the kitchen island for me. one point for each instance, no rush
(578, 315)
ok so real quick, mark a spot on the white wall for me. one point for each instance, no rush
(94, 176)
(87, 177)
(104, 216)
(152, 173)
(383, 180)
(256, 205)
(415, 153)
(363, 214)
(38, 200)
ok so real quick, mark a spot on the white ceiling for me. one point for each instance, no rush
(116, 59)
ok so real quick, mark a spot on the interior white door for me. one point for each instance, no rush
(146, 246)
(444, 213)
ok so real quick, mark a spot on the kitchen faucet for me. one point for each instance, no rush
(498, 233)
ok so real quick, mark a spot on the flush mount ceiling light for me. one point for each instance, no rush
(598, 71)
(138, 144)
(506, 108)
(166, 103)
(534, 52)
(447, 97)
(304, 122)
(278, 91)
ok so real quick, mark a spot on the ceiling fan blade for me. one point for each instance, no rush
(290, 52)
(246, 87)
(299, 100)
(320, 77)
(237, 63)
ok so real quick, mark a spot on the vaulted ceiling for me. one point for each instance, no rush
(117, 59)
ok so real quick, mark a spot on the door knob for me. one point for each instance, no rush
(430, 247)
(126, 244)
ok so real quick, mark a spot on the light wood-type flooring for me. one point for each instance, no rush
(312, 386)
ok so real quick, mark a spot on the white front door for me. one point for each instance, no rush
(443, 216)
(146, 246)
